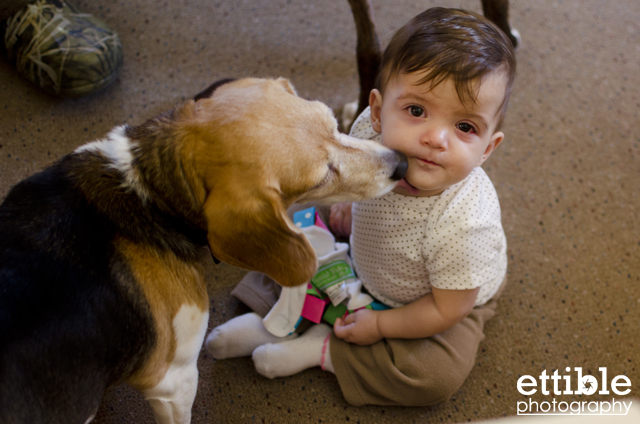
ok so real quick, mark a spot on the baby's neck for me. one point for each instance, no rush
(404, 188)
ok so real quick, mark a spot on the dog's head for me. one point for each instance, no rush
(257, 148)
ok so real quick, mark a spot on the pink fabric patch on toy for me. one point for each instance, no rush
(319, 222)
(313, 308)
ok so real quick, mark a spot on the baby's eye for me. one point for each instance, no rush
(416, 111)
(466, 127)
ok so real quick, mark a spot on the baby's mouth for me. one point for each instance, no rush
(407, 186)
(428, 162)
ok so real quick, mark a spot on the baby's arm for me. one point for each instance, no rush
(427, 316)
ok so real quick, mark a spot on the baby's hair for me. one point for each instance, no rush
(450, 43)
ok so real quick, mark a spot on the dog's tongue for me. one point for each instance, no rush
(405, 184)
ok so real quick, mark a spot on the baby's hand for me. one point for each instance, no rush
(340, 219)
(360, 327)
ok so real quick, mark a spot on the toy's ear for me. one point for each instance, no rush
(258, 235)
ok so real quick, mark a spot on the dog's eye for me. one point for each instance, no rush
(333, 170)
(326, 178)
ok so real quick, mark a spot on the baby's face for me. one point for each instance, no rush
(443, 139)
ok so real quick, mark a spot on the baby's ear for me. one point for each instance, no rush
(496, 139)
(375, 103)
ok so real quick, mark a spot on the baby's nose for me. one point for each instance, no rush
(436, 136)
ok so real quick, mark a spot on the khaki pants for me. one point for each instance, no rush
(416, 372)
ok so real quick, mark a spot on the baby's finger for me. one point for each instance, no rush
(339, 329)
(349, 319)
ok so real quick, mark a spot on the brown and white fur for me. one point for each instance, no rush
(102, 255)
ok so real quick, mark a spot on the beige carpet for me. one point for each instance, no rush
(568, 177)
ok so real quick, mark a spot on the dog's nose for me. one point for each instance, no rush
(401, 167)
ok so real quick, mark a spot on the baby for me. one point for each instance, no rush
(433, 250)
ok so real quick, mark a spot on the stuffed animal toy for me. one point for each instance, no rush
(333, 292)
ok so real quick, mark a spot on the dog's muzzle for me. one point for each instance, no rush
(401, 167)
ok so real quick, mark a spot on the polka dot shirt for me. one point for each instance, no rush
(402, 246)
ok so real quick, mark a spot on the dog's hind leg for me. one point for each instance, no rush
(171, 400)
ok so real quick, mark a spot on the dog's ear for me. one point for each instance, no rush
(258, 235)
(286, 84)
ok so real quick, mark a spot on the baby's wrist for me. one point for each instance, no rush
(378, 324)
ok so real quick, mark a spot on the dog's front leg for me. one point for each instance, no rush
(171, 400)
(175, 407)
(497, 11)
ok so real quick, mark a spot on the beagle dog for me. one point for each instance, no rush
(102, 255)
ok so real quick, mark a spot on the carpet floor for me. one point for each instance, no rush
(567, 176)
